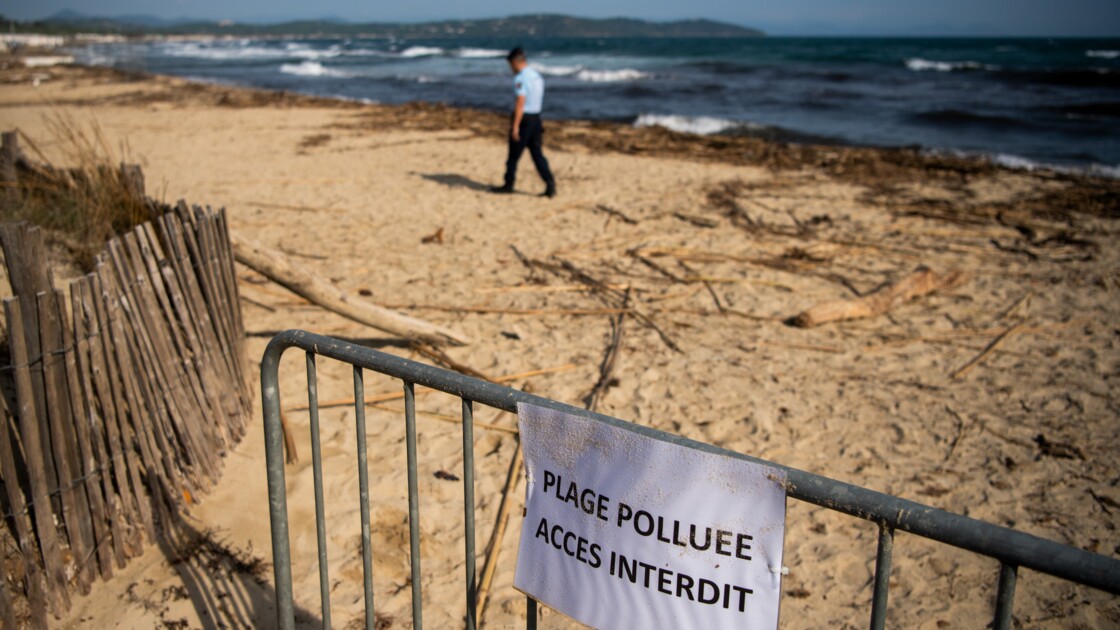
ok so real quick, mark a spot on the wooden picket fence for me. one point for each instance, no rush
(122, 395)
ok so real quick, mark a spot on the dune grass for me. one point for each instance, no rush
(83, 203)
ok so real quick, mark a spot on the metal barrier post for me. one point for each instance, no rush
(317, 462)
(1005, 596)
(363, 494)
(413, 503)
(277, 493)
(468, 513)
(882, 577)
(530, 613)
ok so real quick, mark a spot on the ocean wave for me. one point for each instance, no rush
(420, 51)
(701, 125)
(479, 53)
(313, 69)
(917, 64)
(557, 71)
(721, 67)
(1103, 54)
(198, 50)
(1071, 78)
(611, 76)
(1016, 162)
(316, 54)
(959, 118)
(1020, 163)
(1087, 111)
(1111, 172)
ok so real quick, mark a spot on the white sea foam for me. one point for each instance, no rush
(917, 64)
(218, 52)
(611, 76)
(1016, 162)
(1112, 172)
(556, 71)
(1103, 54)
(420, 51)
(479, 53)
(310, 53)
(702, 125)
(313, 69)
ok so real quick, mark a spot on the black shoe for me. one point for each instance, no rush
(549, 192)
(502, 190)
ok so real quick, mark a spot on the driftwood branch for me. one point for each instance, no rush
(291, 455)
(494, 549)
(698, 221)
(606, 368)
(302, 282)
(616, 213)
(990, 348)
(921, 282)
(610, 295)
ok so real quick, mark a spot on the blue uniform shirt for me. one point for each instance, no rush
(530, 84)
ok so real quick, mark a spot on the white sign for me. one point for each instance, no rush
(626, 531)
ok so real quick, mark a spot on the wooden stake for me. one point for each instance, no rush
(75, 512)
(81, 416)
(220, 361)
(112, 404)
(9, 175)
(128, 403)
(32, 574)
(96, 417)
(25, 256)
(57, 584)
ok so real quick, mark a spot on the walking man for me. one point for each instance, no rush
(526, 130)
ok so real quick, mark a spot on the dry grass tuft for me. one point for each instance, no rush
(82, 205)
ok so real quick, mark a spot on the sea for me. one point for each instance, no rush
(1024, 103)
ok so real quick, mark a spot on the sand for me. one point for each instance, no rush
(720, 242)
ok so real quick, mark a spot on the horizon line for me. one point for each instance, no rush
(904, 33)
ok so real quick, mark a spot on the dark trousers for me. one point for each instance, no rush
(531, 132)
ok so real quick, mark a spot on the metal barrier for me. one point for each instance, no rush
(1012, 548)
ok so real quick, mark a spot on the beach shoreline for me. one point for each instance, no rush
(720, 240)
(839, 159)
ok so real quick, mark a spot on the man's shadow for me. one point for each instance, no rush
(452, 180)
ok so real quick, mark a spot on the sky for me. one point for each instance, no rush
(1058, 18)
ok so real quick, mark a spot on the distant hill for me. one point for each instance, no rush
(522, 26)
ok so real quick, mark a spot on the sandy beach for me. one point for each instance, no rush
(720, 241)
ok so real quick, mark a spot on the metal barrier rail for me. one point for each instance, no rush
(1012, 548)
